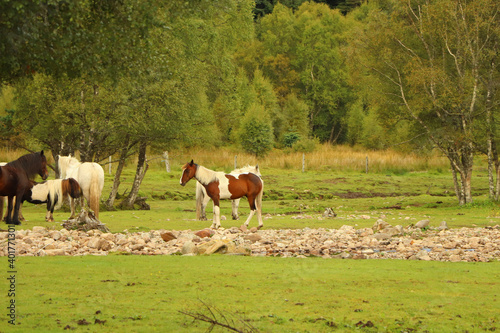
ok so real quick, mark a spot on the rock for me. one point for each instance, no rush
(204, 233)
(381, 236)
(55, 252)
(40, 230)
(55, 235)
(380, 225)
(329, 213)
(422, 224)
(423, 255)
(168, 236)
(253, 237)
(443, 226)
(243, 228)
(214, 246)
(189, 248)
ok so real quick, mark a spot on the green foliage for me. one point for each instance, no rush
(290, 138)
(305, 145)
(256, 132)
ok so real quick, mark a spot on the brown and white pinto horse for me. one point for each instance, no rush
(53, 193)
(219, 185)
(15, 180)
(202, 198)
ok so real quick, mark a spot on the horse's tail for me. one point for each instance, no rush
(258, 200)
(199, 199)
(56, 194)
(74, 189)
(96, 185)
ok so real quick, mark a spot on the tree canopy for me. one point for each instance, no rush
(102, 77)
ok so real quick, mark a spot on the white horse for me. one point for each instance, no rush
(202, 198)
(89, 175)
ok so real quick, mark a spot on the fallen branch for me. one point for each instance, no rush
(215, 317)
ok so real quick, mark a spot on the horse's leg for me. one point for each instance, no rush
(3, 201)
(251, 202)
(50, 210)
(204, 203)
(8, 215)
(72, 206)
(235, 204)
(216, 221)
(17, 206)
(21, 217)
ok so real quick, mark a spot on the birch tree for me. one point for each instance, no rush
(431, 60)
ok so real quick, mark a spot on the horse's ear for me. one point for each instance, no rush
(41, 153)
(191, 163)
(69, 155)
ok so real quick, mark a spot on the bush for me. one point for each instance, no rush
(256, 132)
(289, 139)
(305, 145)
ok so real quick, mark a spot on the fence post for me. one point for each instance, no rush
(109, 165)
(366, 167)
(303, 162)
(167, 162)
(235, 161)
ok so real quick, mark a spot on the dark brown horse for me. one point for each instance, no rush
(219, 185)
(15, 181)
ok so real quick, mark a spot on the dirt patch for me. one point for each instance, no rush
(340, 180)
(361, 195)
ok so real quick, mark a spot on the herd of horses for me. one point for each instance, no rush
(77, 181)
(85, 181)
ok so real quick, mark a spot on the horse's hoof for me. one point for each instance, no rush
(260, 226)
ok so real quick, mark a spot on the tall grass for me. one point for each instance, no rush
(325, 157)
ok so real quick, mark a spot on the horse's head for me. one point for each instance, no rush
(43, 172)
(188, 172)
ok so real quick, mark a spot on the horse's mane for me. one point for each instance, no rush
(206, 176)
(29, 163)
(64, 162)
(247, 169)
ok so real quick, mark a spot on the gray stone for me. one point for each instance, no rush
(422, 224)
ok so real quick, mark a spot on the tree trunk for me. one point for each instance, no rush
(456, 185)
(142, 168)
(116, 182)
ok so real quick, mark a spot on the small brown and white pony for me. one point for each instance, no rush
(53, 192)
(219, 185)
(202, 198)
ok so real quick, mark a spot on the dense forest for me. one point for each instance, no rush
(122, 76)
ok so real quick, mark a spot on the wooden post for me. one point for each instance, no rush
(166, 160)
(235, 161)
(303, 162)
(109, 165)
(366, 167)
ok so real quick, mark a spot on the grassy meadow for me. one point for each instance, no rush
(154, 293)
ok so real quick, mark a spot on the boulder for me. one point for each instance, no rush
(189, 248)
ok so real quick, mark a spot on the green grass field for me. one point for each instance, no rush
(148, 293)
(142, 294)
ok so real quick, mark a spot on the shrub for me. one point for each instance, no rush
(256, 132)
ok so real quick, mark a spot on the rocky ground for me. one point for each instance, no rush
(382, 241)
